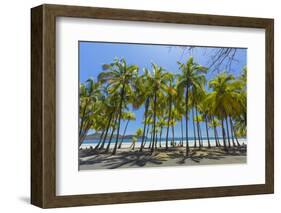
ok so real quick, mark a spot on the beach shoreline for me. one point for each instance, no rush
(126, 144)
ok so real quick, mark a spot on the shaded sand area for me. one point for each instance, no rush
(126, 158)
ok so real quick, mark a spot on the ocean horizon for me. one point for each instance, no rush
(176, 139)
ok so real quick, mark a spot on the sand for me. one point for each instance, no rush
(127, 158)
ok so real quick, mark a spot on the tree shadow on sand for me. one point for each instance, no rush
(126, 159)
(197, 155)
(131, 158)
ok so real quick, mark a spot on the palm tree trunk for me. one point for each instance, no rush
(223, 134)
(150, 143)
(113, 130)
(186, 121)
(84, 134)
(237, 140)
(119, 118)
(154, 121)
(173, 135)
(82, 122)
(227, 130)
(156, 139)
(232, 132)
(107, 128)
(181, 132)
(160, 136)
(194, 128)
(146, 135)
(216, 138)
(100, 140)
(144, 125)
(198, 127)
(215, 132)
(201, 137)
(207, 131)
(120, 144)
(169, 118)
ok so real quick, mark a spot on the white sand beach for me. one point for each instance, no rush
(126, 157)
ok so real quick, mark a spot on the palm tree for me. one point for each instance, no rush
(225, 99)
(119, 78)
(142, 95)
(170, 100)
(100, 123)
(107, 113)
(113, 127)
(239, 129)
(109, 119)
(148, 122)
(214, 123)
(136, 137)
(192, 77)
(158, 80)
(206, 114)
(129, 116)
(180, 107)
(89, 94)
(197, 96)
(161, 123)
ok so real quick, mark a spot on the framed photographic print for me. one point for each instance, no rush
(136, 106)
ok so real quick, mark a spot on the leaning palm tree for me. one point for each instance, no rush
(107, 114)
(119, 77)
(192, 77)
(148, 122)
(89, 95)
(129, 116)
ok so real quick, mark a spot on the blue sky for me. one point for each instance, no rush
(92, 55)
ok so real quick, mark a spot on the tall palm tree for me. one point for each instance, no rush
(192, 77)
(180, 107)
(119, 78)
(158, 79)
(240, 116)
(197, 96)
(169, 102)
(142, 95)
(224, 99)
(206, 114)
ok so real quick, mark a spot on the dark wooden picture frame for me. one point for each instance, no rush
(43, 105)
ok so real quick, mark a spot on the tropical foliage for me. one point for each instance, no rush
(216, 107)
